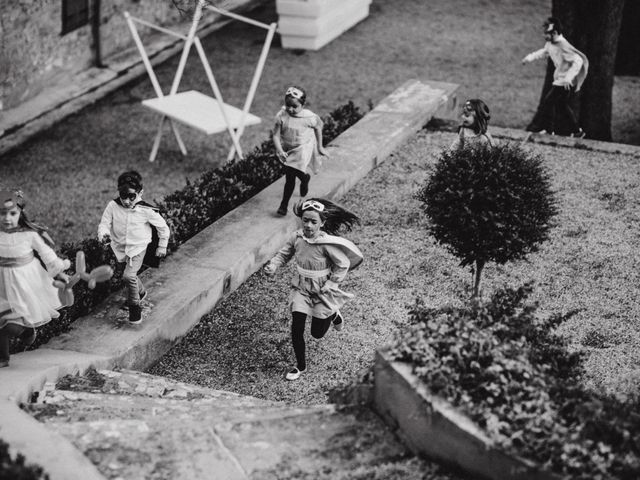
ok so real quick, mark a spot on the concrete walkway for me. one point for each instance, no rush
(192, 280)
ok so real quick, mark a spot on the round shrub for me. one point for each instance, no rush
(488, 204)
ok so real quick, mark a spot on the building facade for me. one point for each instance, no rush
(45, 42)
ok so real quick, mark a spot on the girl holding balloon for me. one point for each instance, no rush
(28, 298)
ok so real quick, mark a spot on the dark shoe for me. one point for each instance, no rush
(27, 338)
(135, 314)
(4, 363)
(338, 322)
(125, 305)
(294, 373)
(304, 185)
(282, 211)
(579, 134)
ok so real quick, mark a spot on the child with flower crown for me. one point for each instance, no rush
(473, 128)
(322, 262)
(297, 137)
(28, 298)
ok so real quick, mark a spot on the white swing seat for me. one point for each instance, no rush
(200, 111)
(194, 109)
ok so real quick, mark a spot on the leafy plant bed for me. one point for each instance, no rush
(499, 363)
(433, 428)
(188, 211)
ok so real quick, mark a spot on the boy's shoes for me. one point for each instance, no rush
(294, 374)
(579, 134)
(135, 314)
(338, 322)
(282, 211)
(4, 363)
(304, 185)
(125, 305)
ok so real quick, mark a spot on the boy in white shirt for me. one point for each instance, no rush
(127, 223)
(571, 67)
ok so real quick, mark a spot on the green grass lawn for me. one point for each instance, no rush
(589, 265)
(68, 172)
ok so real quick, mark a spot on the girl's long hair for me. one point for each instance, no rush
(334, 216)
(482, 114)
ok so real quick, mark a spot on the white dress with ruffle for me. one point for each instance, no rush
(324, 260)
(27, 295)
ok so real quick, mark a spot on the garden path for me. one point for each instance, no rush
(138, 426)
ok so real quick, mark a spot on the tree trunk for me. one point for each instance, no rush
(478, 276)
(593, 27)
(628, 56)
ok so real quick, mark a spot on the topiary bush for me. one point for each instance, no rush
(187, 212)
(507, 369)
(488, 204)
(16, 469)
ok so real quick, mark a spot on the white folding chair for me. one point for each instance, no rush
(193, 108)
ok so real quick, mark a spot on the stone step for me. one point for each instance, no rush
(125, 423)
(130, 382)
(69, 407)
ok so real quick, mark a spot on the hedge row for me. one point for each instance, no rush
(188, 211)
(505, 367)
(15, 468)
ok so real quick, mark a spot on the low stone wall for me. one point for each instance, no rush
(431, 427)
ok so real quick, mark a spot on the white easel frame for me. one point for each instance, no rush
(175, 106)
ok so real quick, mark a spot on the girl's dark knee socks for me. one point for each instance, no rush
(297, 339)
(320, 326)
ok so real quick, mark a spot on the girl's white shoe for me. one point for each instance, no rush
(338, 322)
(294, 373)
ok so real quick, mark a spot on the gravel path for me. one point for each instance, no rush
(588, 265)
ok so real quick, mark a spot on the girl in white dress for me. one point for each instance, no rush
(322, 262)
(297, 137)
(28, 298)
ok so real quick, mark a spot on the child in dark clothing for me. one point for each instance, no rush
(571, 67)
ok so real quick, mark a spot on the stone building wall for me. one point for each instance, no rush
(34, 54)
